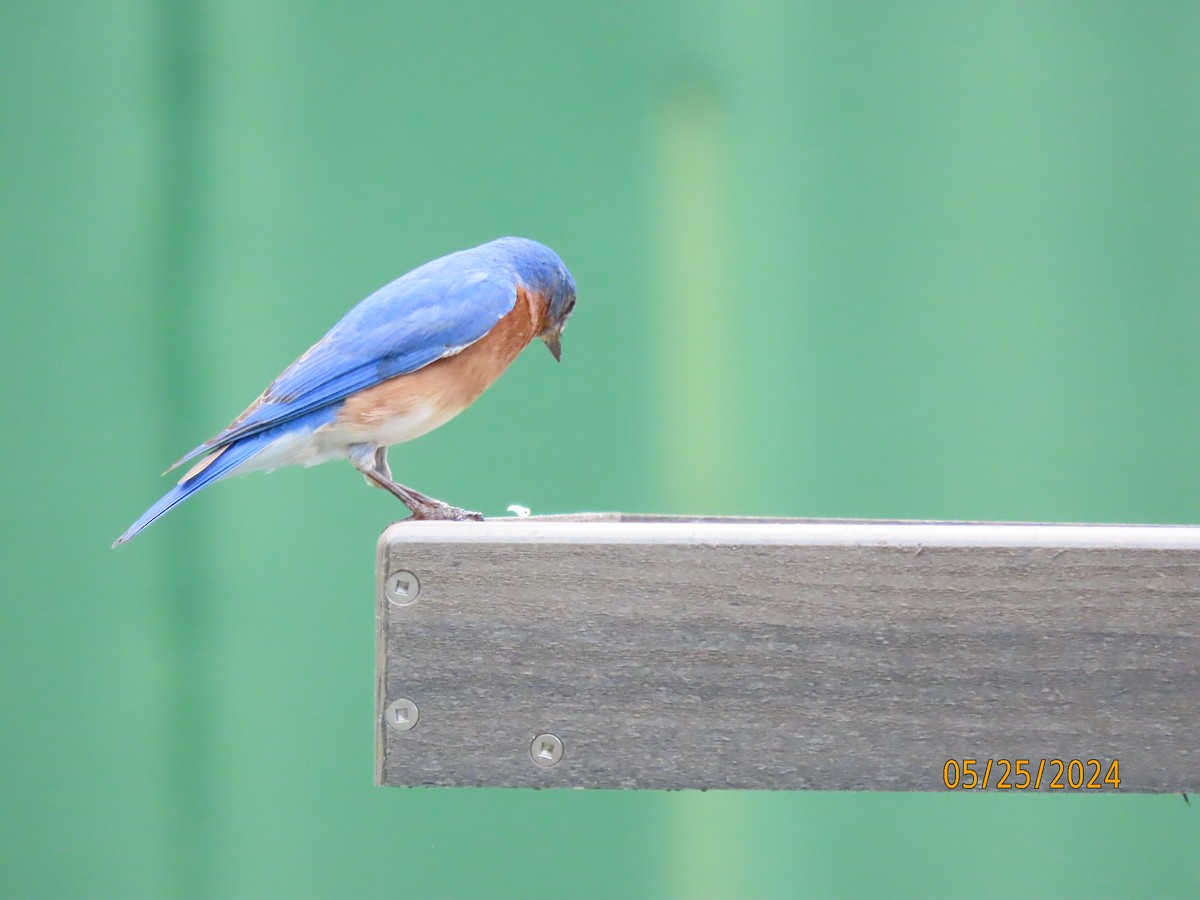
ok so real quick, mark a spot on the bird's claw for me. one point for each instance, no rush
(443, 512)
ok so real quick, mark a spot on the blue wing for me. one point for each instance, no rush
(432, 312)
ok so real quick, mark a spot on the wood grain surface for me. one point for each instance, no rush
(788, 655)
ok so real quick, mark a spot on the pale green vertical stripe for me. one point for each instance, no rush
(693, 331)
(703, 845)
(697, 391)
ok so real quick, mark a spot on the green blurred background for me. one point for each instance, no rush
(834, 259)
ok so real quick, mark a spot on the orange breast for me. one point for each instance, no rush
(430, 396)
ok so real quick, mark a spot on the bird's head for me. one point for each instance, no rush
(558, 310)
(545, 276)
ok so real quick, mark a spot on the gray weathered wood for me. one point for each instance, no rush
(736, 653)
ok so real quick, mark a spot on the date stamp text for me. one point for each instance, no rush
(1031, 774)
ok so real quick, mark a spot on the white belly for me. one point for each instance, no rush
(333, 441)
(420, 418)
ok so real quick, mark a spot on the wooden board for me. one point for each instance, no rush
(726, 653)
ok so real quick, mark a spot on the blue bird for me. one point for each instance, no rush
(407, 359)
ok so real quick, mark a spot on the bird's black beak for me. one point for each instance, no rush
(554, 344)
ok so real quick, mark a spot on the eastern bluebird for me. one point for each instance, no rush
(407, 359)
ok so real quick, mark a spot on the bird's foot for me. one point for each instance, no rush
(442, 512)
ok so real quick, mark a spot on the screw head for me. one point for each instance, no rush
(546, 750)
(401, 715)
(402, 587)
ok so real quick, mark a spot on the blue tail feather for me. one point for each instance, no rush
(231, 457)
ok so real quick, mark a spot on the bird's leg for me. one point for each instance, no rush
(381, 466)
(372, 462)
